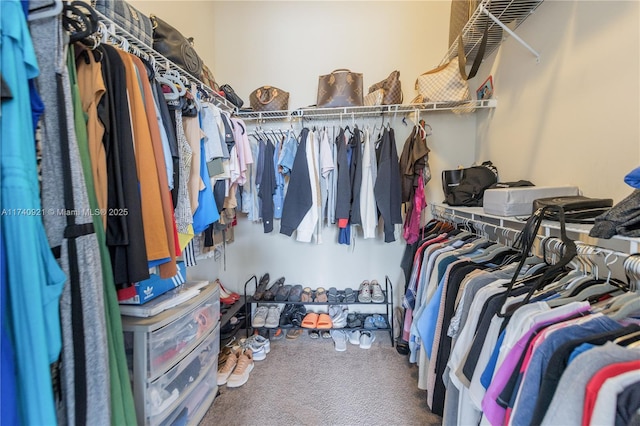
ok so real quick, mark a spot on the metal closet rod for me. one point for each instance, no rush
(164, 62)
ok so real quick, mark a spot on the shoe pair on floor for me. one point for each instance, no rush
(370, 292)
(236, 369)
(364, 339)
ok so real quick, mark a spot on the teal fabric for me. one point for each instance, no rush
(34, 278)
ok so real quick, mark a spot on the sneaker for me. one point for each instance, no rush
(354, 337)
(370, 323)
(227, 368)
(339, 340)
(366, 339)
(260, 316)
(338, 314)
(240, 374)
(273, 317)
(364, 293)
(377, 296)
(261, 341)
(258, 345)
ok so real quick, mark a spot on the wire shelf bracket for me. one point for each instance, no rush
(510, 32)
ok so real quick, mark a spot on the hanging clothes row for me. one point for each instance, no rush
(114, 168)
(325, 176)
(503, 337)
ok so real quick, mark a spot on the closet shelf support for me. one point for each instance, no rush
(510, 32)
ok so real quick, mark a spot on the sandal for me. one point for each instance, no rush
(314, 334)
(379, 321)
(283, 293)
(349, 295)
(321, 295)
(294, 333)
(332, 295)
(324, 321)
(307, 295)
(295, 295)
(310, 320)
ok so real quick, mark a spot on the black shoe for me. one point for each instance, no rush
(262, 286)
(270, 294)
(285, 316)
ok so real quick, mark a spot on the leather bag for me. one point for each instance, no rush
(461, 12)
(341, 88)
(269, 98)
(171, 44)
(577, 208)
(392, 89)
(231, 95)
(128, 18)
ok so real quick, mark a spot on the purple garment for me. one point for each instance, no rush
(494, 413)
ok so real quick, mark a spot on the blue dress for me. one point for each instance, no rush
(34, 278)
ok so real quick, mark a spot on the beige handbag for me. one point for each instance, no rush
(392, 89)
(374, 98)
(341, 88)
(448, 82)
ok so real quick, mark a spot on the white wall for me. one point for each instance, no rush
(572, 118)
(575, 116)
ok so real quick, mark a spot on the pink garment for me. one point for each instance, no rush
(412, 223)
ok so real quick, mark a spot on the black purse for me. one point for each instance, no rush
(577, 208)
(231, 95)
(171, 44)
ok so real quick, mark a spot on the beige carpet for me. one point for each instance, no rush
(307, 382)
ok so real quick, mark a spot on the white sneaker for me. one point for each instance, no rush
(240, 374)
(364, 292)
(354, 337)
(273, 317)
(377, 296)
(260, 316)
(366, 339)
(258, 345)
(339, 339)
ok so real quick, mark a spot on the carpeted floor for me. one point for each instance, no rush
(306, 382)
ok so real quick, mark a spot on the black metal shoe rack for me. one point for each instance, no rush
(252, 284)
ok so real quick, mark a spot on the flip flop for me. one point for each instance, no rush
(294, 333)
(349, 295)
(295, 294)
(314, 334)
(321, 295)
(310, 320)
(307, 295)
(324, 322)
(283, 293)
(332, 295)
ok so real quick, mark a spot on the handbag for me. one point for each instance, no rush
(170, 43)
(128, 18)
(392, 89)
(374, 98)
(231, 95)
(461, 12)
(577, 208)
(208, 78)
(474, 181)
(451, 179)
(269, 98)
(341, 88)
(448, 82)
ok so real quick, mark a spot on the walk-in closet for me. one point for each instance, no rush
(320, 212)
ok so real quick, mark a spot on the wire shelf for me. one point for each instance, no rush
(511, 13)
(163, 62)
(364, 111)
